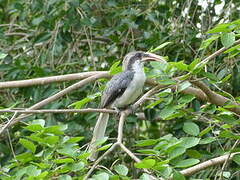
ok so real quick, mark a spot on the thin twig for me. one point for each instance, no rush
(100, 159)
(8, 123)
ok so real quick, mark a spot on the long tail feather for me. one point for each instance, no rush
(98, 133)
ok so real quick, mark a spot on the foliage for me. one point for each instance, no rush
(44, 38)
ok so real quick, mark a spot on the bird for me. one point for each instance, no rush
(122, 90)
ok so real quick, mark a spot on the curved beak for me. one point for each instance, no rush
(152, 57)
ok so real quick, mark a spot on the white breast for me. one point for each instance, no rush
(134, 89)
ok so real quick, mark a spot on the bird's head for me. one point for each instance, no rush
(137, 58)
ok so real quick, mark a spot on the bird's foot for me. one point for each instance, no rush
(118, 111)
(132, 109)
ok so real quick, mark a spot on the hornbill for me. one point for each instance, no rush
(122, 90)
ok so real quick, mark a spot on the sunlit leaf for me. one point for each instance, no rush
(191, 128)
(28, 145)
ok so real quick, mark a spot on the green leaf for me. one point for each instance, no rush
(105, 147)
(25, 157)
(38, 20)
(193, 64)
(101, 141)
(145, 176)
(189, 142)
(42, 37)
(74, 139)
(28, 145)
(2, 55)
(63, 161)
(64, 177)
(219, 28)
(69, 150)
(84, 155)
(101, 176)
(115, 68)
(207, 140)
(148, 151)
(236, 159)
(236, 47)
(167, 82)
(167, 111)
(228, 39)
(33, 171)
(180, 65)
(121, 169)
(207, 42)
(191, 128)
(186, 98)
(34, 127)
(210, 76)
(228, 134)
(184, 85)
(178, 176)
(186, 163)
(225, 79)
(53, 130)
(229, 119)
(51, 140)
(194, 154)
(146, 163)
(77, 166)
(226, 174)
(81, 103)
(153, 104)
(39, 122)
(205, 131)
(147, 142)
(160, 46)
(178, 151)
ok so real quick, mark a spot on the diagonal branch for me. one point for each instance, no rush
(54, 97)
(207, 164)
(217, 99)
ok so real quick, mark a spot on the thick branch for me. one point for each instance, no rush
(206, 164)
(27, 111)
(215, 98)
(47, 80)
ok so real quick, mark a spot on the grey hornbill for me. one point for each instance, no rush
(122, 90)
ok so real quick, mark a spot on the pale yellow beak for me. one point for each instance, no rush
(152, 57)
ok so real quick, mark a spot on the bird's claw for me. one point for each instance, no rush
(132, 109)
(118, 111)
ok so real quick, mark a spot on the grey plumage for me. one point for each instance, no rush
(122, 90)
(116, 87)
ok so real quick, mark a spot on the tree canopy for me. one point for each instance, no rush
(56, 57)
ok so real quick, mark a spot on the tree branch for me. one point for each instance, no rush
(206, 164)
(28, 111)
(215, 54)
(215, 98)
(47, 80)
(55, 97)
